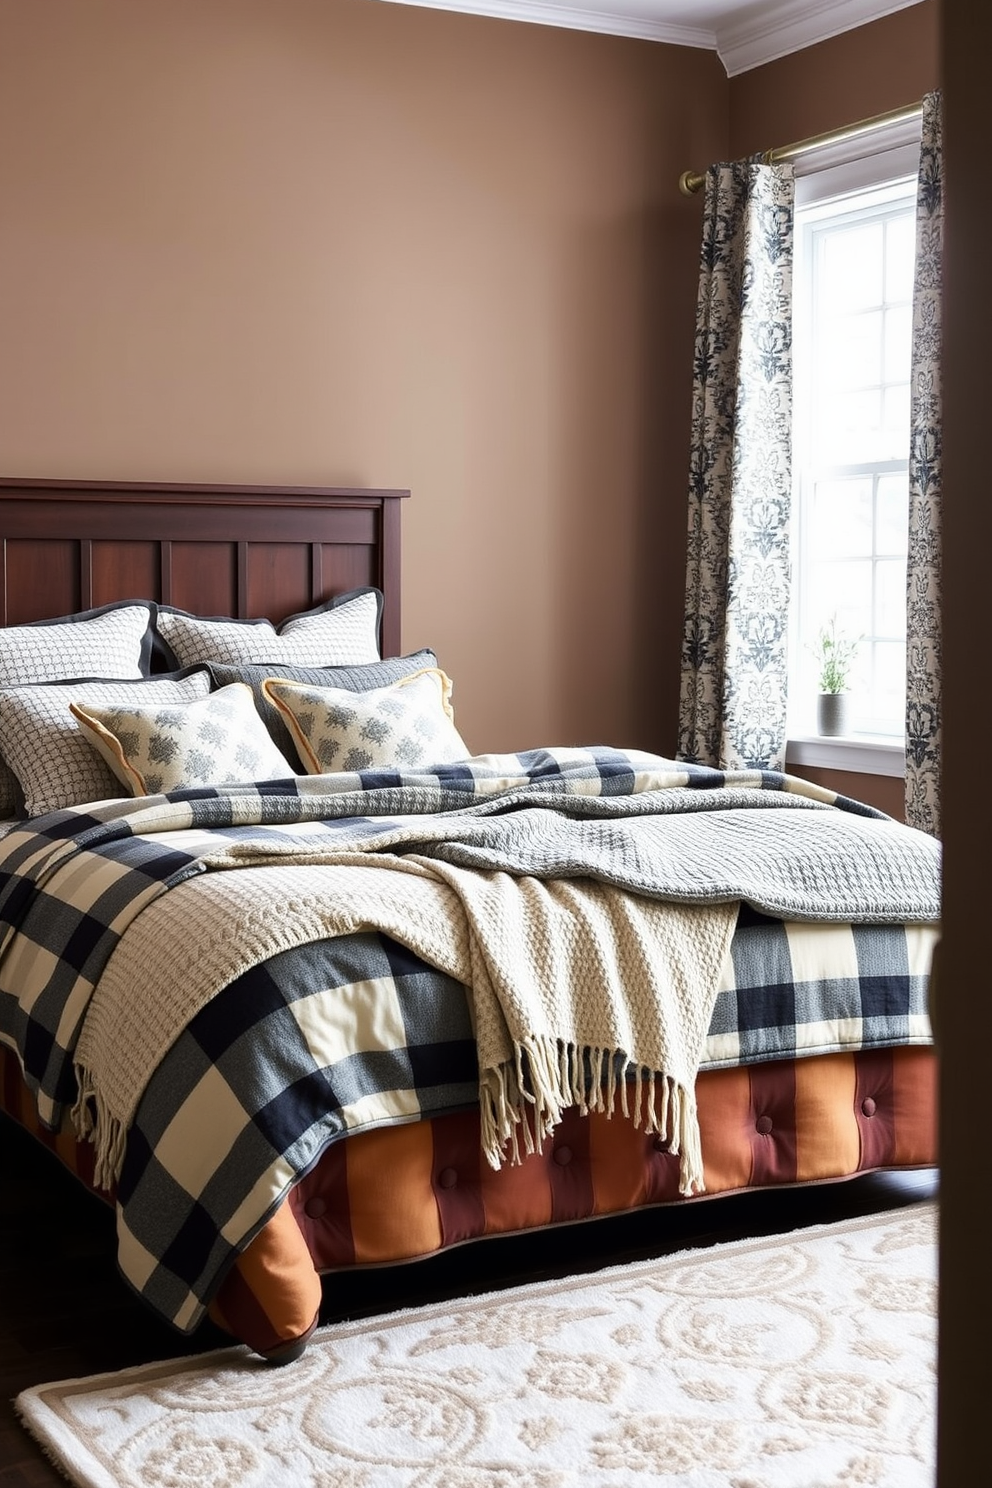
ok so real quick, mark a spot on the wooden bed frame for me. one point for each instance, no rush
(253, 551)
(247, 551)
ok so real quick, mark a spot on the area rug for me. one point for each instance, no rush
(802, 1361)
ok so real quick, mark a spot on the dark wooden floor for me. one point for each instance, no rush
(65, 1311)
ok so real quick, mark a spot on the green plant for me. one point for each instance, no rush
(835, 655)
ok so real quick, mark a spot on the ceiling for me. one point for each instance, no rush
(744, 33)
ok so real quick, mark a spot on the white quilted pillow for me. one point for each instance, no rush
(406, 726)
(99, 643)
(53, 764)
(343, 633)
(113, 641)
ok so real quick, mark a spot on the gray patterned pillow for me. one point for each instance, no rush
(350, 679)
(54, 765)
(217, 740)
(343, 632)
(408, 726)
(111, 641)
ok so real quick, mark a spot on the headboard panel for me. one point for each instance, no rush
(213, 549)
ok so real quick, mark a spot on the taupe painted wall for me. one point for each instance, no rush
(339, 241)
(344, 242)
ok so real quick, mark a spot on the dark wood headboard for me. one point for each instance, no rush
(247, 551)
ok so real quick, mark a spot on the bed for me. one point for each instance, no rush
(336, 1056)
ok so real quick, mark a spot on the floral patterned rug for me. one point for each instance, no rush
(804, 1360)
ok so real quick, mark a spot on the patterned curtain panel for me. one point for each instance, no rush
(733, 697)
(923, 579)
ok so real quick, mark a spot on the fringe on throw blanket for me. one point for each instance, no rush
(521, 1104)
(523, 1099)
(94, 1122)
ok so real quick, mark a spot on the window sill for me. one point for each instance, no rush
(860, 753)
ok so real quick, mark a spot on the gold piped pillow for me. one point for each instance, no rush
(407, 726)
(218, 740)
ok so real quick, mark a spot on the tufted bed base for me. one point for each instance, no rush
(405, 1192)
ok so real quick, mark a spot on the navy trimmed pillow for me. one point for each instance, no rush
(112, 640)
(53, 764)
(342, 632)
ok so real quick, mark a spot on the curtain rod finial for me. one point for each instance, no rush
(690, 182)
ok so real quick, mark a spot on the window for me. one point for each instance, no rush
(852, 298)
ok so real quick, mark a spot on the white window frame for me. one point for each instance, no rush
(885, 155)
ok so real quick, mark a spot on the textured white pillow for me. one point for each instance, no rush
(113, 641)
(54, 765)
(344, 632)
(218, 740)
(407, 726)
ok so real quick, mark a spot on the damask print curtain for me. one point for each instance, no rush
(923, 578)
(733, 695)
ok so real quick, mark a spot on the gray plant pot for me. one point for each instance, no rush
(832, 713)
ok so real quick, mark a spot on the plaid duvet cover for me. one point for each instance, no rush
(254, 1071)
(248, 1088)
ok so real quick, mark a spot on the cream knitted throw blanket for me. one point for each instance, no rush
(567, 978)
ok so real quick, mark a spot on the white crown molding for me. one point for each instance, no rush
(744, 35)
(632, 21)
(765, 32)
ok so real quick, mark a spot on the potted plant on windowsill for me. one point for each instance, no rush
(835, 655)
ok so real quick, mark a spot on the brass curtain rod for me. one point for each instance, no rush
(690, 182)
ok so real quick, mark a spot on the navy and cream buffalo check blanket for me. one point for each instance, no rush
(255, 1069)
